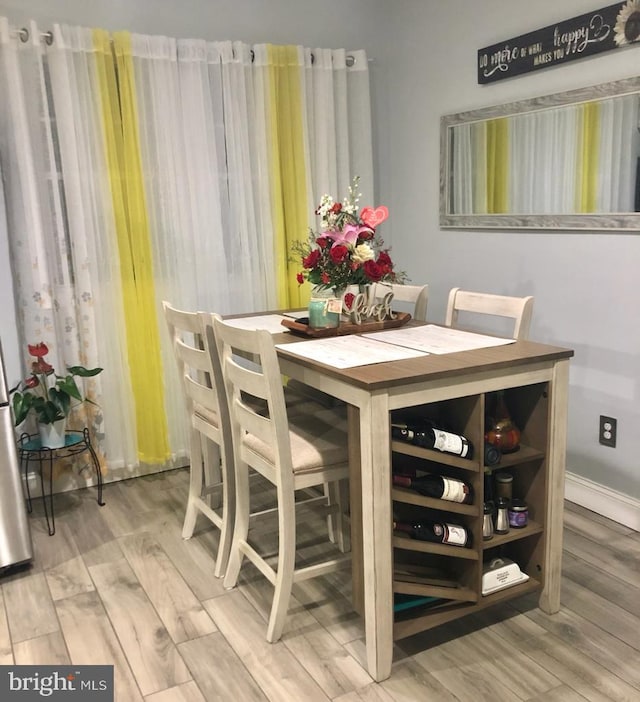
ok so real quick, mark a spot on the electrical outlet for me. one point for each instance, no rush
(608, 431)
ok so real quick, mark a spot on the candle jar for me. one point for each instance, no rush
(324, 309)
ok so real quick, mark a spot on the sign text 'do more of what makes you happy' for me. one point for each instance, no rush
(608, 28)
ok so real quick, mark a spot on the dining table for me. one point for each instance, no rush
(377, 385)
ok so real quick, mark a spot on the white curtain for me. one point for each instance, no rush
(59, 209)
(203, 112)
(338, 124)
(619, 153)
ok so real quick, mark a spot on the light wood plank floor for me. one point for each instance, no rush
(118, 585)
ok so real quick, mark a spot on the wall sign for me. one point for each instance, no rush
(601, 30)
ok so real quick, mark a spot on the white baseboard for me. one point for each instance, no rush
(603, 500)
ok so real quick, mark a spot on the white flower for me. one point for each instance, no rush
(627, 27)
(362, 253)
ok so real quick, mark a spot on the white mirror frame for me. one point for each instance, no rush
(624, 221)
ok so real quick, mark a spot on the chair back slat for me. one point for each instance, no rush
(261, 379)
(519, 309)
(418, 295)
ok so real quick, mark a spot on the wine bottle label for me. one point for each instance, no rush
(451, 443)
(454, 490)
(454, 535)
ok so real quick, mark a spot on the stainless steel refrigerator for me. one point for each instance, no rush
(15, 537)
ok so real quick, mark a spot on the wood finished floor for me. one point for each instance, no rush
(118, 585)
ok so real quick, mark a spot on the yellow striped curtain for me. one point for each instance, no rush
(497, 165)
(288, 167)
(587, 153)
(123, 153)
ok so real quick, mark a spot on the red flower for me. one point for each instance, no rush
(338, 253)
(38, 350)
(31, 382)
(41, 366)
(312, 260)
(365, 234)
(348, 299)
(300, 278)
(337, 207)
(373, 271)
(385, 263)
(322, 242)
(325, 278)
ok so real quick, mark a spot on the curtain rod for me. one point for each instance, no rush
(23, 33)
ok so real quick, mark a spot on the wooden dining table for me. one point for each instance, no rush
(372, 392)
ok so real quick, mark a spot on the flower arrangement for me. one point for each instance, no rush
(45, 393)
(347, 250)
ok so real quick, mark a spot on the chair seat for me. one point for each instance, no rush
(318, 440)
(205, 413)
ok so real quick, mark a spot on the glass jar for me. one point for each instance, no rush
(324, 309)
(518, 514)
(504, 485)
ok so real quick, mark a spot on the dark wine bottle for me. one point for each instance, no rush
(437, 486)
(427, 435)
(436, 532)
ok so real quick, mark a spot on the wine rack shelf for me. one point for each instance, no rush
(441, 549)
(529, 407)
(513, 535)
(436, 456)
(410, 497)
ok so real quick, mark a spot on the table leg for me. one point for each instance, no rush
(355, 509)
(377, 552)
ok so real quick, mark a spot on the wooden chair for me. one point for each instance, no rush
(211, 463)
(519, 309)
(418, 295)
(297, 453)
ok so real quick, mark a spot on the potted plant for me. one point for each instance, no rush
(49, 396)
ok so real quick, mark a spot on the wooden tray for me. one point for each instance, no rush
(346, 327)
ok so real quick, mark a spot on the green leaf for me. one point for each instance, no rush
(83, 372)
(21, 406)
(69, 386)
(60, 399)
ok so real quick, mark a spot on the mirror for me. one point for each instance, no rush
(564, 161)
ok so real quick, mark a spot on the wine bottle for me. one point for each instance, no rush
(436, 532)
(428, 435)
(436, 486)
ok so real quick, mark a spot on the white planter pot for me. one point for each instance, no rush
(52, 435)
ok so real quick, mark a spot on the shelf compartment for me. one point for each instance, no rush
(408, 626)
(446, 459)
(409, 544)
(411, 497)
(460, 594)
(531, 529)
(523, 455)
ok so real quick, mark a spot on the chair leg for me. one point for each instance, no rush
(338, 494)
(241, 525)
(212, 470)
(286, 565)
(228, 517)
(195, 484)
